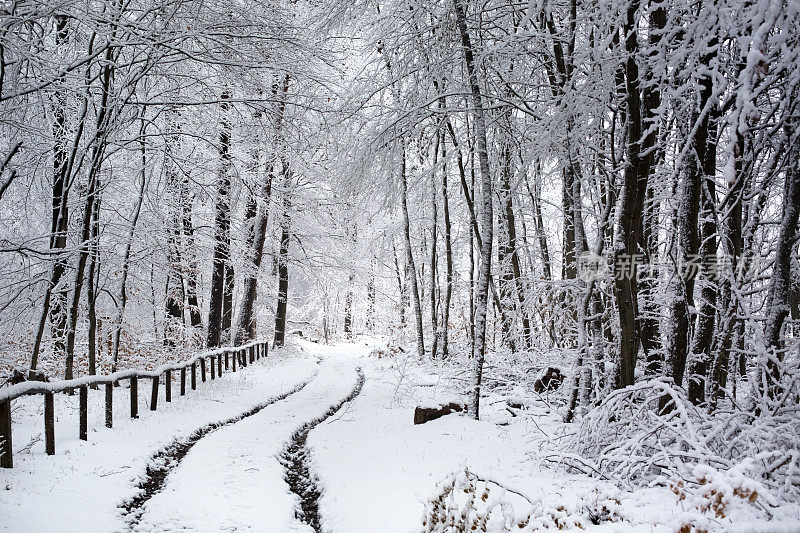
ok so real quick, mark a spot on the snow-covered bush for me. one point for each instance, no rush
(632, 438)
(467, 502)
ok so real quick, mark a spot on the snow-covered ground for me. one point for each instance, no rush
(376, 470)
(83, 485)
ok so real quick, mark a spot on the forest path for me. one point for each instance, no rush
(232, 479)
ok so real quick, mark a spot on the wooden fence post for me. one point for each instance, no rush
(83, 395)
(194, 375)
(168, 386)
(219, 365)
(203, 369)
(252, 352)
(233, 360)
(134, 397)
(154, 396)
(183, 381)
(49, 425)
(109, 405)
(213, 367)
(226, 360)
(6, 457)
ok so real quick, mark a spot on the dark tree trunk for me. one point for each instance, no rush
(227, 302)
(781, 282)
(55, 300)
(283, 265)
(432, 262)
(475, 234)
(651, 101)
(631, 207)
(516, 270)
(505, 246)
(371, 301)
(91, 288)
(244, 328)
(482, 287)
(192, 303)
(401, 287)
(688, 245)
(706, 148)
(174, 290)
(174, 293)
(731, 216)
(448, 243)
(222, 223)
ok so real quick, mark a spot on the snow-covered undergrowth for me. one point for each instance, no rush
(634, 441)
(469, 502)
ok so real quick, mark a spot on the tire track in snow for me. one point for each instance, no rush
(295, 461)
(169, 457)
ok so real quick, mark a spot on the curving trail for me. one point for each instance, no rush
(170, 457)
(299, 476)
(247, 473)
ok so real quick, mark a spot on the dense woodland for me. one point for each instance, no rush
(612, 187)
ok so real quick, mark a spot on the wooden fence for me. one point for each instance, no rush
(216, 360)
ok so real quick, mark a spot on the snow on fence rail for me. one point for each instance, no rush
(243, 355)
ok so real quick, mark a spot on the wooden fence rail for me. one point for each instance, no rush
(243, 355)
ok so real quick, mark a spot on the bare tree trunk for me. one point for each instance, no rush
(482, 288)
(371, 299)
(402, 292)
(190, 256)
(244, 328)
(683, 288)
(227, 301)
(630, 210)
(55, 299)
(448, 243)
(781, 282)
(651, 101)
(92, 191)
(174, 293)
(435, 332)
(505, 248)
(731, 217)
(91, 288)
(62, 164)
(544, 251)
(508, 226)
(283, 264)
(409, 255)
(706, 148)
(222, 224)
(474, 240)
(475, 234)
(348, 308)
